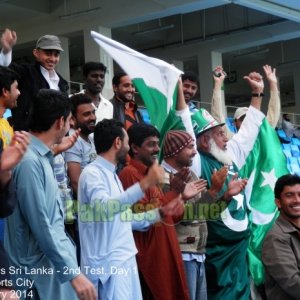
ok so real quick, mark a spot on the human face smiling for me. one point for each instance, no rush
(12, 95)
(147, 153)
(125, 90)
(289, 202)
(94, 81)
(85, 118)
(47, 58)
(189, 89)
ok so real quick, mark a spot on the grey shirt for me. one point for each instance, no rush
(281, 258)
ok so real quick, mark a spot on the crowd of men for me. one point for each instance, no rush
(91, 214)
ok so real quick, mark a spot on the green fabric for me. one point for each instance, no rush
(155, 102)
(265, 161)
(226, 249)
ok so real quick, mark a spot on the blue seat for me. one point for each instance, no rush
(230, 124)
(287, 153)
(296, 141)
(293, 160)
(295, 169)
(286, 147)
(281, 133)
(295, 150)
(283, 137)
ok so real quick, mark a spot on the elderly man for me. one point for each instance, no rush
(281, 248)
(231, 228)
(179, 151)
(226, 261)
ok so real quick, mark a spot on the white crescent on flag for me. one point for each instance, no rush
(258, 217)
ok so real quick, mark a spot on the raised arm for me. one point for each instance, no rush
(217, 104)
(273, 113)
(181, 104)
(242, 143)
(256, 84)
(216, 101)
(8, 40)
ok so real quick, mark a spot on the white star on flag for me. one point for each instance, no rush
(239, 199)
(269, 179)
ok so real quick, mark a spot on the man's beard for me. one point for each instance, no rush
(221, 155)
(85, 130)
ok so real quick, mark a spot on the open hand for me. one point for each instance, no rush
(193, 188)
(270, 74)
(234, 187)
(66, 143)
(15, 151)
(8, 40)
(178, 181)
(217, 181)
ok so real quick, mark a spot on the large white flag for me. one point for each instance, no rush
(155, 79)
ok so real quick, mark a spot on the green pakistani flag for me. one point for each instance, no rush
(155, 80)
(228, 235)
(264, 165)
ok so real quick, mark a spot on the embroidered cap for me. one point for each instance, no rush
(49, 42)
(202, 121)
(175, 141)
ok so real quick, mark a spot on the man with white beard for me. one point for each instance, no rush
(228, 233)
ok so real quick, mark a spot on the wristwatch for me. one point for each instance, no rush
(258, 94)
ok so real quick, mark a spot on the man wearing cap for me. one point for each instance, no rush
(226, 267)
(33, 77)
(178, 153)
(239, 116)
(226, 278)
